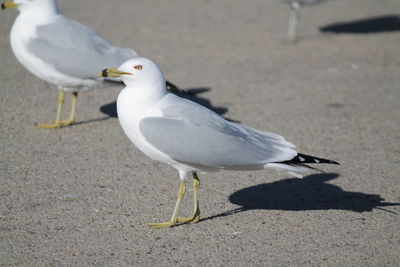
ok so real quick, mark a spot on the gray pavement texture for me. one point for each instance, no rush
(82, 195)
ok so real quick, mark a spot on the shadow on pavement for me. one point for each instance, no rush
(310, 193)
(389, 23)
(88, 121)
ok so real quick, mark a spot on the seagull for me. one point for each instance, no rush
(192, 138)
(295, 15)
(61, 51)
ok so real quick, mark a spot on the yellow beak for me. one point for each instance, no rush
(112, 72)
(9, 4)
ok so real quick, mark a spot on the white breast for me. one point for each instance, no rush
(131, 110)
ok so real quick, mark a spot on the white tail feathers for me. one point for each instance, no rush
(297, 171)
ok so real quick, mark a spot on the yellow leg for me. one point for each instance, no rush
(174, 218)
(71, 118)
(196, 212)
(293, 19)
(57, 123)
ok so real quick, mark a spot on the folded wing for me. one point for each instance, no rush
(192, 134)
(75, 50)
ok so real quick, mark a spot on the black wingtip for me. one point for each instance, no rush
(302, 159)
(334, 162)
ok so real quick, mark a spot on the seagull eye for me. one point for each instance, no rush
(138, 67)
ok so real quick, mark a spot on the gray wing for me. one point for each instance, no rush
(75, 50)
(193, 134)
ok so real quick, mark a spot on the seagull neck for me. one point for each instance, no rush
(147, 92)
(40, 13)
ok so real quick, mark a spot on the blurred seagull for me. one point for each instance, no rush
(295, 15)
(191, 138)
(61, 51)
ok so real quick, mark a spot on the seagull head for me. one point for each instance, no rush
(48, 5)
(135, 71)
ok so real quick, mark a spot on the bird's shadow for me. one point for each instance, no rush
(309, 193)
(190, 94)
(388, 23)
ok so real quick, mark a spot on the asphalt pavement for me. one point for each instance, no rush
(82, 195)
